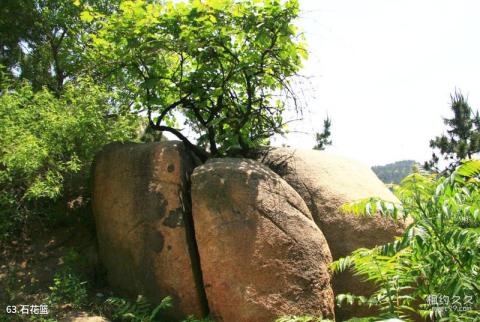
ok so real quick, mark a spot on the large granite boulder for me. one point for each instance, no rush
(143, 218)
(326, 182)
(262, 256)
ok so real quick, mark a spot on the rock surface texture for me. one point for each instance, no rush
(247, 241)
(262, 255)
(325, 182)
(141, 207)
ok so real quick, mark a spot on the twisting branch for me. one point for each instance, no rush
(200, 153)
(164, 113)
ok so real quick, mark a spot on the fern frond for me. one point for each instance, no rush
(469, 169)
(164, 304)
(138, 311)
(371, 206)
(341, 265)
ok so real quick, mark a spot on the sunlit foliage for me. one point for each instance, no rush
(225, 65)
(438, 256)
(44, 138)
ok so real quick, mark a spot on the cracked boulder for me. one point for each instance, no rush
(326, 182)
(262, 255)
(141, 207)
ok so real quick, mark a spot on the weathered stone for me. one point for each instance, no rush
(326, 182)
(140, 201)
(262, 255)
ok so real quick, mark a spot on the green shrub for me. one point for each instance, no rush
(45, 138)
(437, 259)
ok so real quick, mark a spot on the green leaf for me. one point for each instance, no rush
(469, 169)
(86, 16)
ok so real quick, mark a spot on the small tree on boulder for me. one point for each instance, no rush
(225, 65)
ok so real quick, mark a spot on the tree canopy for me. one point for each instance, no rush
(462, 140)
(394, 172)
(225, 66)
(43, 41)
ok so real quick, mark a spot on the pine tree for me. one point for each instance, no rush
(462, 140)
(323, 139)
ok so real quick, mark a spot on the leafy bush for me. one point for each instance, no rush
(434, 268)
(44, 138)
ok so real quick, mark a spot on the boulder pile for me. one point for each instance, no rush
(326, 182)
(238, 239)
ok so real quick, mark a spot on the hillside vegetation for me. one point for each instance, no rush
(394, 172)
(222, 76)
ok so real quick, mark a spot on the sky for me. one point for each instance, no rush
(383, 71)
